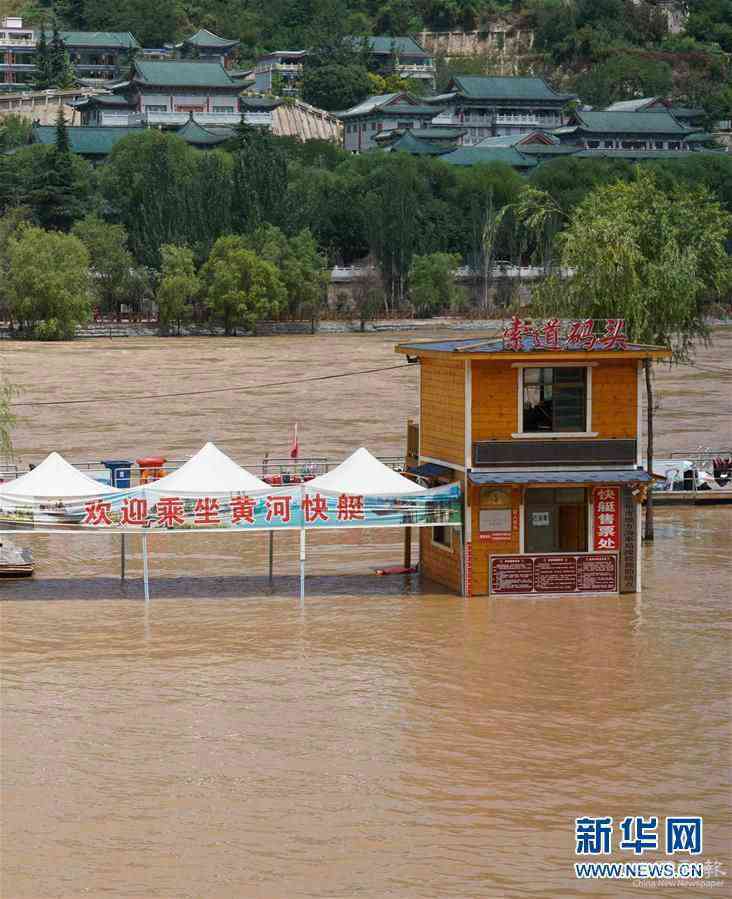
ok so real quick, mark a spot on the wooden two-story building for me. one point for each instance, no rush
(542, 428)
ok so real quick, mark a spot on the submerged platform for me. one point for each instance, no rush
(693, 497)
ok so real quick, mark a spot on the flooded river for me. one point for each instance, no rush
(384, 739)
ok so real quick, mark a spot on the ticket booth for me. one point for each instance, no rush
(543, 426)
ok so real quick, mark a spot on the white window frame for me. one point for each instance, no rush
(553, 435)
(445, 547)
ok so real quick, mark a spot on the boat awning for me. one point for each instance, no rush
(430, 470)
(594, 476)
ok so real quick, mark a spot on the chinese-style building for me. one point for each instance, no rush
(542, 429)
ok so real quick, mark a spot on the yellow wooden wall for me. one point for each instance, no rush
(615, 399)
(439, 564)
(495, 405)
(442, 409)
(482, 551)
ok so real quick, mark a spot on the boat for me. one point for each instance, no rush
(15, 562)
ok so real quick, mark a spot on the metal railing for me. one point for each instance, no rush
(180, 118)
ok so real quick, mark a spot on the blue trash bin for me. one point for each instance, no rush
(120, 470)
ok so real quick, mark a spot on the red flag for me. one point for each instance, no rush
(295, 448)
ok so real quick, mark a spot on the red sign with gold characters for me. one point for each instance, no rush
(606, 517)
(554, 334)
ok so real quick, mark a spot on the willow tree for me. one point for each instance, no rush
(656, 259)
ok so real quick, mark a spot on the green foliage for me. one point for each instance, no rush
(179, 285)
(240, 288)
(335, 86)
(259, 179)
(48, 283)
(568, 180)
(61, 72)
(432, 283)
(15, 131)
(43, 77)
(111, 262)
(7, 419)
(624, 76)
(153, 24)
(653, 258)
(301, 267)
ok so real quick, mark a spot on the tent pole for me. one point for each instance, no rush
(145, 575)
(302, 564)
(407, 547)
(271, 553)
(122, 558)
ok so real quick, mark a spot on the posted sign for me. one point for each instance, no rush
(606, 517)
(554, 573)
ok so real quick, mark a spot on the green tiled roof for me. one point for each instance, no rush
(700, 137)
(488, 87)
(401, 108)
(641, 154)
(208, 40)
(436, 133)
(477, 155)
(193, 133)
(548, 149)
(604, 122)
(119, 39)
(112, 100)
(408, 143)
(85, 140)
(183, 74)
(404, 46)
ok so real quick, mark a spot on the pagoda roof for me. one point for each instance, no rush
(197, 135)
(182, 73)
(477, 155)
(398, 103)
(207, 40)
(610, 122)
(123, 40)
(509, 87)
(105, 100)
(86, 140)
(408, 143)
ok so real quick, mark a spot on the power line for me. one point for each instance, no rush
(244, 387)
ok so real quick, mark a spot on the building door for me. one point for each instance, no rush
(555, 520)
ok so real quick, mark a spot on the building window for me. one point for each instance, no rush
(156, 109)
(442, 536)
(223, 109)
(609, 144)
(554, 399)
(405, 125)
(555, 520)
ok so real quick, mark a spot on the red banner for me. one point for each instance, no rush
(606, 518)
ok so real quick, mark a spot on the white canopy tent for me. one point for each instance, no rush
(55, 478)
(208, 471)
(364, 475)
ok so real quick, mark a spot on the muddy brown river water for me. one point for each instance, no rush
(385, 739)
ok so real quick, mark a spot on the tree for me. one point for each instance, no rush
(368, 291)
(624, 76)
(61, 71)
(7, 420)
(240, 287)
(43, 75)
(432, 283)
(335, 87)
(259, 179)
(52, 191)
(15, 131)
(48, 283)
(153, 24)
(179, 285)
(653, 258)
(111, 261)
(302, 269)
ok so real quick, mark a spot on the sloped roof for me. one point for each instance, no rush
(55, 478)
(86, 140)
(631, 105)
(435, 132)
(468, 346)
(490, 87)
(208, 40)
(364, 475)
(120, 39)
(408, 143)
(369, 104)
(208, 471)
(100, 100)
(640, 155)
(604, 122)
(193, 133)
(183, 74)
(406, 46)
(478, 155)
